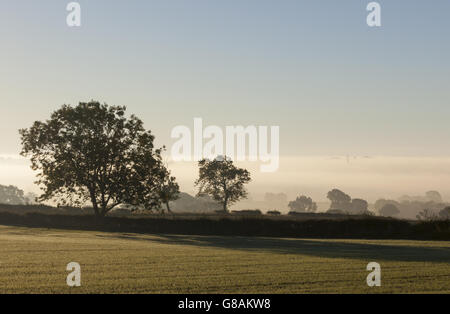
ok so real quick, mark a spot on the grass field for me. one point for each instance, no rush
(34, 261)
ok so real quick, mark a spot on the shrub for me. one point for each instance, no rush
(247, 212)
(427, 215)
(294, 213)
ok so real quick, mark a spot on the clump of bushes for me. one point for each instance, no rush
(294, 213)
(431, 215)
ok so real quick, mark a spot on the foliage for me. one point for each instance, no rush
(339, 200)
(169, 191)
(247, 212)
(92, 152)
(303, 204)
(358, 206)
(222, 180)
(427, 215)
(389, 210)
(11, 195)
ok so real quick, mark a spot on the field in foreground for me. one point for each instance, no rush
(34, 261)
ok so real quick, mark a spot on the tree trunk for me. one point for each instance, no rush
(168, 208)
(94, 203)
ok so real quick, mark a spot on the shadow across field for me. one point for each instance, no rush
(318, 248)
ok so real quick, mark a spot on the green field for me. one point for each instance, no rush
(34, 261)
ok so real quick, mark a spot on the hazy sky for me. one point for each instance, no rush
(332, 84)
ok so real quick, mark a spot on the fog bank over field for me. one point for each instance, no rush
(364, 177)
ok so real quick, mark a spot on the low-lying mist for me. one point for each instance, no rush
(365, 177)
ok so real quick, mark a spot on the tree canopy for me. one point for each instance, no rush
(169, 191)
(12, 195)
(92, 152)
(339, 200)
(389, 210)
(222, 180)
(358, 206)
(303, 204)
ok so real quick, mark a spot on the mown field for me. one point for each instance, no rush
(34, 261)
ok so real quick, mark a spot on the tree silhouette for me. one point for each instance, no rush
(222, 180)
(92, 152)
(303, 204)
(11, 195)
(169, 191)
(359, 206)
(389, 210)
(339, 200)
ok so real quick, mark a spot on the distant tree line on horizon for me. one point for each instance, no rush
(12, 195)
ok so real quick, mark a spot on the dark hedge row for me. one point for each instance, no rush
(369, 228)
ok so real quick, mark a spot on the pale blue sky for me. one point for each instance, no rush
(332, 84)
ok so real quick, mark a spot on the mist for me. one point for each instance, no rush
(366, 177)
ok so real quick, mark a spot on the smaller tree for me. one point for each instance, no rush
(379, 204)
(339, 200)
(434, 196)
(222, 180)
(11, 195)
(303, 204)
(389, 210)
(169, 191)
(427, 215)
(359, 206)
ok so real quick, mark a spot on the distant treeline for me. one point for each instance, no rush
(363, 228)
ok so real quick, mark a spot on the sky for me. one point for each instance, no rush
(335, 86)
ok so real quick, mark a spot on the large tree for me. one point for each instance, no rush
(222, 180)
(92, 152)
